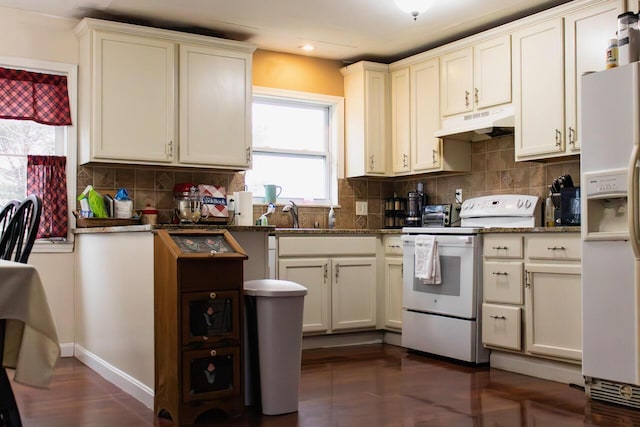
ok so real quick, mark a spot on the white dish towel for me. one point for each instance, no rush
(427, 260)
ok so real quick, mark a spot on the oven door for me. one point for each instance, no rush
(457, 295)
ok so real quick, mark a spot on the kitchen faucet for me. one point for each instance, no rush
(293, 208)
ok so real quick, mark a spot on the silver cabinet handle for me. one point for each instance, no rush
(337, 271)
(500, 248)
(169, 150)
(371, 162)
(466, 98)
(477, 96)
(556, 248)
(527, 279)
(498, 317)
(394, 246)
(434, 156)
(558, 137)
(572, 136)
(405, 160)
(499, 273)
(326, 272)
(248, 154)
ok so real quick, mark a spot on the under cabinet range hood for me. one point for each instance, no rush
(478, 126)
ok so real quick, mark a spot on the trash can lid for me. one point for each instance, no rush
(273, 288)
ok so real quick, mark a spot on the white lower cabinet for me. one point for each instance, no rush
(532, 294)
(392, 282)
(339, 273)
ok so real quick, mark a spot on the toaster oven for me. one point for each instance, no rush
(445, 215)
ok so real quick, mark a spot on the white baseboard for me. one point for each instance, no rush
(547, 369)
(338, 340)
(393, 338)
(115, 376)
(66, 349)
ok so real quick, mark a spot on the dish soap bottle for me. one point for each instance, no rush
(332, 218)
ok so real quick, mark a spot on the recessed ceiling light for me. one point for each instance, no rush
(307, 47)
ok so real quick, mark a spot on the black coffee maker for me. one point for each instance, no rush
(566, 201)
(415, 201)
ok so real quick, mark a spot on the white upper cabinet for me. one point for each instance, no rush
(586, 35)
(215, 103)
(538, 87)
(367, 130)
(400, 121)
(129, 84)
(457, 82)
(476, 77)
(415, 112)
(548, 60)
(137, 84)
(492, 72)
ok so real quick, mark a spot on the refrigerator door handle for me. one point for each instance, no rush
(633, 199)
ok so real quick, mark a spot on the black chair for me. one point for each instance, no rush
(6, 213)
(17, 240)
(20, 233)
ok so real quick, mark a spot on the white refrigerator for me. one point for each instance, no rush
(610, 234)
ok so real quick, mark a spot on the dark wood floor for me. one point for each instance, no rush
(373, 385)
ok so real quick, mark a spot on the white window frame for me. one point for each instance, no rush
(69, 135)
(335, 104)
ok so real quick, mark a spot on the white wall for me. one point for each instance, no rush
(46, 38)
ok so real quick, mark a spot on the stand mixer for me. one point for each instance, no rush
(188, 203)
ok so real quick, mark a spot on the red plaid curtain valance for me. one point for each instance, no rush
(47, 178)
(43, 98)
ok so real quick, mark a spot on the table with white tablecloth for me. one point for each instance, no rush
(31, 341)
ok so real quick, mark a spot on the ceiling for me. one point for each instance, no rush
(345, 30)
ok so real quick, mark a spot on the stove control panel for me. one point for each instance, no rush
(503, 206)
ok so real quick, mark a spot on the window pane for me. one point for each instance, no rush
(299, 177)
(17, 139)
(289, 126)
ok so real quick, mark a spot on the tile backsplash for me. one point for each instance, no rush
(494, 171)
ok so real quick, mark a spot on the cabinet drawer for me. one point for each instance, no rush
(392, 245)
(501, 326)
(503, 282)
(210, 316)
(557, 247)
(503, 246)
(205, 275)
(328, 246)
(211, 373)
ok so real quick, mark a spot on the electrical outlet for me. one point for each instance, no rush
(362, 208)
(458, 195)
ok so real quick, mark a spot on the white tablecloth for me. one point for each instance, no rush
(31, 341)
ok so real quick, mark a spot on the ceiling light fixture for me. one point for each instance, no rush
(413, 7)
(307, 47)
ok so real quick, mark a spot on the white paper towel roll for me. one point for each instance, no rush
(244, 207)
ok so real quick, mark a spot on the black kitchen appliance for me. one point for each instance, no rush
(415, 202)
(566, 201)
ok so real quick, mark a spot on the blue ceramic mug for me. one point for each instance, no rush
(271, 193)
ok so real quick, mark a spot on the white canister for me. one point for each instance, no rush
(627, 38)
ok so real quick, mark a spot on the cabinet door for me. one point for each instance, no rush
(215, 95)
(456, 82)
(376, 130)
(586, 35)
(400, 121)
(492, 72)
(313, 274)
(393, 292)
(502, 282)
(538, 89)
(425, 116)
(134, 99)
(353, 293)
(501, 326)
(553, 301)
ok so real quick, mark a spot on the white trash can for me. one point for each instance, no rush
(277, 321)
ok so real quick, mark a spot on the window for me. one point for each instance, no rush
(19, 138)
(297, 138)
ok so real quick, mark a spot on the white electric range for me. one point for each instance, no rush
(444, 319)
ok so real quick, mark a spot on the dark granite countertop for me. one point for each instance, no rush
(272, 230)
